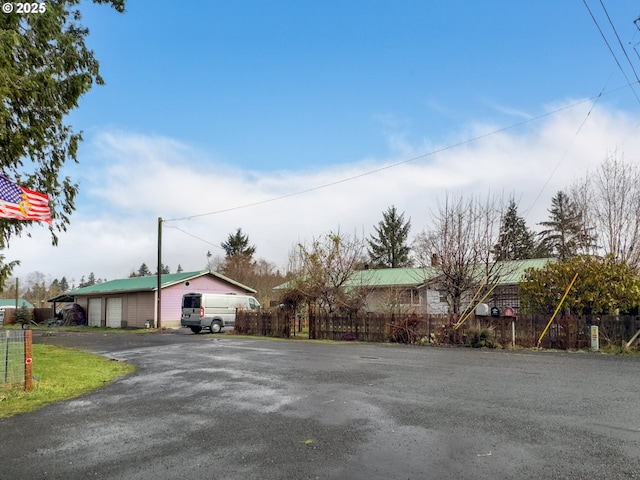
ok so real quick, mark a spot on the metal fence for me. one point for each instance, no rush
(566, 332)
(15, 364)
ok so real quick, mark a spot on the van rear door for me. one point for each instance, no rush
(191, 303)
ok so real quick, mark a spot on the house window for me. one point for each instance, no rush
(416, 299)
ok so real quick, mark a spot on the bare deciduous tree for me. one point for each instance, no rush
(324, 265)
(460, 243)
(610, 200)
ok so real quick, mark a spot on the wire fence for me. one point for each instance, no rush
(15, 358)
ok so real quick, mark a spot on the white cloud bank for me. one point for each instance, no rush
(129, 180)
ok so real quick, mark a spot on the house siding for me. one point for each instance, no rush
(386, 300)
(435, 306)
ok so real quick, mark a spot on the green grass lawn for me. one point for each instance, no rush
(60, 374)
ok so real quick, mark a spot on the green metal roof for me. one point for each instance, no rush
(388, 277)
(384, 277)
(11, 302)
(510, 273)
(148, 283)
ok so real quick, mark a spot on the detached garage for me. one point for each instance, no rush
(132, 302)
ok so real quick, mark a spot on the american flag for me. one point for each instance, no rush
(20, 203)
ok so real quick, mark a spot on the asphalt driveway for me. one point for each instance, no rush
(227, 407)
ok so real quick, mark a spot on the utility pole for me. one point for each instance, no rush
(159, 306)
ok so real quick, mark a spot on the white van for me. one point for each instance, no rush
(213, 310)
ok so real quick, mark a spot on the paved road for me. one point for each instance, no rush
(226, 407)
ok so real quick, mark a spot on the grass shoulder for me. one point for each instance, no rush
(61, 374)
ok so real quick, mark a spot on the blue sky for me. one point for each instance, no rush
(270, 85)
(211, 105)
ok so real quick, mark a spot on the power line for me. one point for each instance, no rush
(610, 49)
(403, 162)
(624, 50)
(192, 235)
(564, 154)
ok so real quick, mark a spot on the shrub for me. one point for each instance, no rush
(480, 337)
(406, 330)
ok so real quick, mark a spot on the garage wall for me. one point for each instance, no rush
(139, 307)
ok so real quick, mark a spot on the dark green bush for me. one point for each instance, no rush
(480, 337)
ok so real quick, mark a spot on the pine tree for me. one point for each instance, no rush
(565, 236)
(388, 247)
(143, 271)
(516, 241)
(238, 244)
(164, 269)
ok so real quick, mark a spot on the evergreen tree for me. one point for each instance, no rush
(54, 289)
(516, 241)
(143, 271)
(24, 315)
(238, 244)
(164, 269)
(45, 67)
(565, 236)
(388, 247)
(91, 280)
(179, 269)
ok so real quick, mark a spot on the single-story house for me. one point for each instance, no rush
(415, 290)
(398, 290)
(132, 302)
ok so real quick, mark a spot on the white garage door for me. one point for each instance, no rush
(95, 312)
(114, 312)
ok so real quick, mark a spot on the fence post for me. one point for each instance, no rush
(28, 373)
(6, 357)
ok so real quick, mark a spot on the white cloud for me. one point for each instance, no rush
(129, 180)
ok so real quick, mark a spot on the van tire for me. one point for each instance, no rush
(216, 326)
(196, 330)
